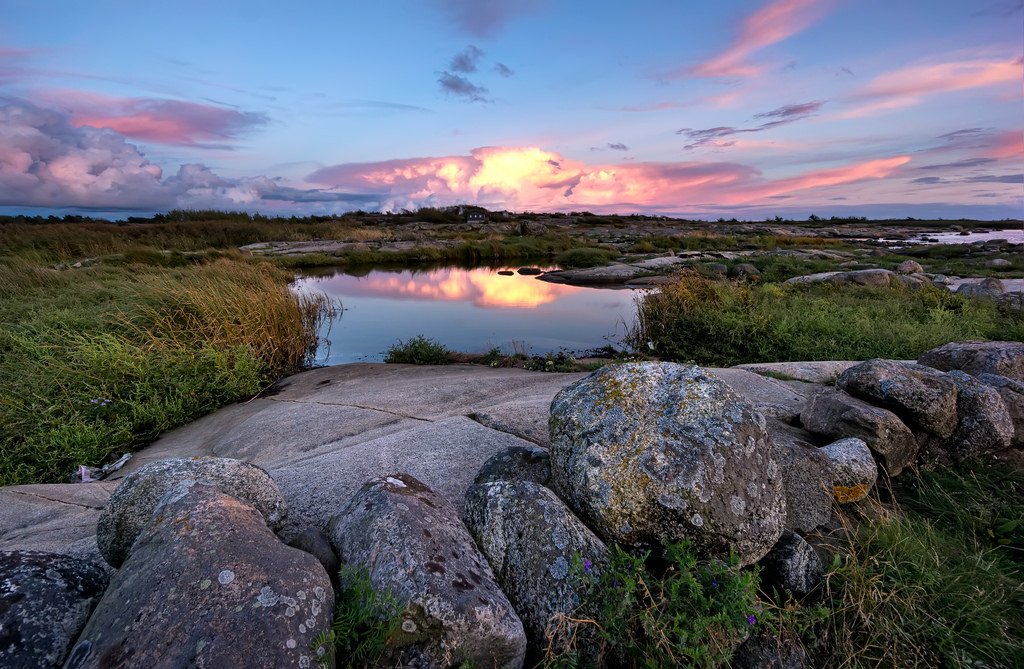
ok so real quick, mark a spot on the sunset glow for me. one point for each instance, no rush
(748, 109)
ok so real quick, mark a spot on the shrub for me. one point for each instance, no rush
(418, 350)
(585, 257)
(688, 612)
(364, 621)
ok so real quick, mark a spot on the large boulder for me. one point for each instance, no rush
(921, 396)
(989, 288)
(530, 539)
(792, 565)
(207, 584)
(131, 505)
(45, 601)
(1012, 392)
(854, 470)
(835, 414)
(517, 463)
(652, 453)
(413, 545)
(1005, 358)
(984, 425)
(909, 267)
(806, 477)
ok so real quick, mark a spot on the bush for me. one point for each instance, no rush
(726, 323)
(687, 613)
(418, 351)
(585, 257)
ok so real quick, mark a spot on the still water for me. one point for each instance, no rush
(471, 310)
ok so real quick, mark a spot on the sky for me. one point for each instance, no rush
(733, 108)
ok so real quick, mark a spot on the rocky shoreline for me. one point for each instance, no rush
(467, 493)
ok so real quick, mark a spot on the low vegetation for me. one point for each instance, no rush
(418, 350)
(364, 621)
(725, 323)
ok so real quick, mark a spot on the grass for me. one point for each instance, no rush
(418, 350)
(98, 361)
(726, 323)
(931, 584)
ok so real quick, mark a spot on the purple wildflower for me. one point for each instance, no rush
(587, 566)
(751, 619)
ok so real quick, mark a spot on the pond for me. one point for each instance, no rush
(468, 310)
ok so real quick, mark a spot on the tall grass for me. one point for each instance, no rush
(98, 361)
(726, 323)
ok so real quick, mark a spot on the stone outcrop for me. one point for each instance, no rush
(983, 424)
(835, 414)
(131, 505)
(1004, 358)
(792, 565)
(1012, 393)
(414, 546)
(806, 477)
(206, 584)
(922, 397)
(652, 453)
(45, 601)
(531, 539)
(853, 469)
(518, 463)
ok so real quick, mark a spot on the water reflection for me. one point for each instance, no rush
(467, 310)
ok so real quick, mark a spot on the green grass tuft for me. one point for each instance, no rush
(418, 350)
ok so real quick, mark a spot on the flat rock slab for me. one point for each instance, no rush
(56, 518)
(809, 372)
(773, 398)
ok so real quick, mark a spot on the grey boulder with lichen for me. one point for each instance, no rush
(413, 545)
(653, 453)
(531, 539)
(208, 584)
(128, 509)
(854, 470)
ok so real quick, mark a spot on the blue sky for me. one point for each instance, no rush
(741, 108)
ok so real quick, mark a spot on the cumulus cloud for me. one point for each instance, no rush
(484, 18)
(776, 21)
(453, 84)
(47, 161)
(771, 119)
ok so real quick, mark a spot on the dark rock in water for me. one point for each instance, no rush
(764, 651)
(414, 546)
(793, 565)
(806, 476)
(921, 396)
(1005, 358)
(652, 453)
(530, 539)
(208, 584)
(517, 463)
(530, 271)
(45, 601)
(506, 272)
(132, 503)
(984, 424)
(834, 414)
(854, 471)
(317, 544)
(1012, 392)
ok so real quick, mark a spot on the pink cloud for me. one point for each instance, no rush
(776, 21)
(1008, 144)
(157, 120)
(910, 85)
(533, 178)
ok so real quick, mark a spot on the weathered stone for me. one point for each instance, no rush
(530, 539)
(834, 414)
(854, 471)
(998, 263)
(909, 267)
(922, 397)
(744, 270)
(206, 584)
(793, 565)
(132, 503)
(1012, 392)
(1011, 301)
(45, 601)
(414, 546)
(984, 425)
(651, 453)
(518, 463)
(806, 476)
(1005, 358)
(825, 372)
(988, 288)
(767, 651)
(772, 398)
